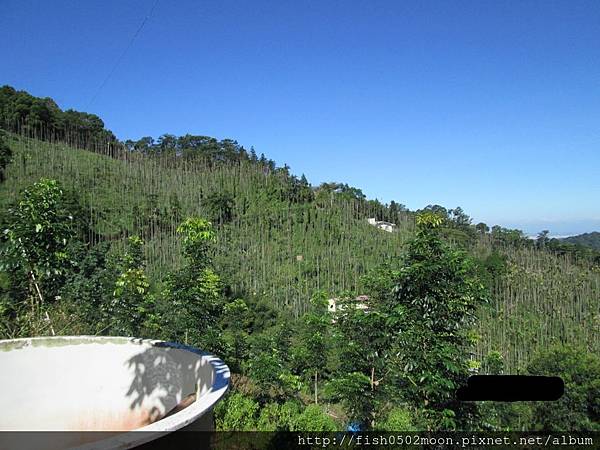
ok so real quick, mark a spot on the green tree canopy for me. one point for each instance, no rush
(436, 295)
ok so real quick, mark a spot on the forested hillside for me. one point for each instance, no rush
(591, 240)
(279, 241)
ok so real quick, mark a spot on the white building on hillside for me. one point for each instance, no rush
(336, 305)
(382, 224)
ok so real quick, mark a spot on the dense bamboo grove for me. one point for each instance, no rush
(543, 299)
(275, 249)
(285, 251)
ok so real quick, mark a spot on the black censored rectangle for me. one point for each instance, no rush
(511, 388)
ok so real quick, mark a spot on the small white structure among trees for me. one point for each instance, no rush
(382, 224)
(336, 305)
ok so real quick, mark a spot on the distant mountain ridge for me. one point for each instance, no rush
(591, 240)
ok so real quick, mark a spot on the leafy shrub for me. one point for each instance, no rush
(313, 418)
(236, 413)
(579, 408)
(398, 419)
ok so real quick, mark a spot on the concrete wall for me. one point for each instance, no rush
(103, 383)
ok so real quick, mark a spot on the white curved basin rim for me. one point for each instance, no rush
(91, 383)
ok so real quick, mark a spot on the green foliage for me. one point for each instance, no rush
(241, 413)
(132, 304)
(89, 286)
(235, 323)
(515, 238)
(147, 193)
(363, 346)
(257, 252)
(38, 230)
(192, 300)
(36, 238)
(341, 189)
(436, 297)
(379, 283)
(495, 264)
(266, 366)
(482, 228)
(285, 248)
(314, 419)
(235, 315)
(579, 408)
(197, 236)
(134, 256)
(220, 206)
(537, 300)
(411, 343)
(269, 418)
(262, 315)
(428, 220)
(279, 417)
(26, 113)
(591, 240)
(576, 410)
(493, 364)
(5, 158)
(236, 413)
(353, 391)
(398, 419)
(312, 342)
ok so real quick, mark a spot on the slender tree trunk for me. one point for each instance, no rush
(39, 294)
(32, 296)
(316, 395)
(50, 322)
(37, 287)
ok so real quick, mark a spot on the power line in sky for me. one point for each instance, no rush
(120, 58)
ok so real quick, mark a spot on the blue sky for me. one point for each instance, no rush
(493, 106)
